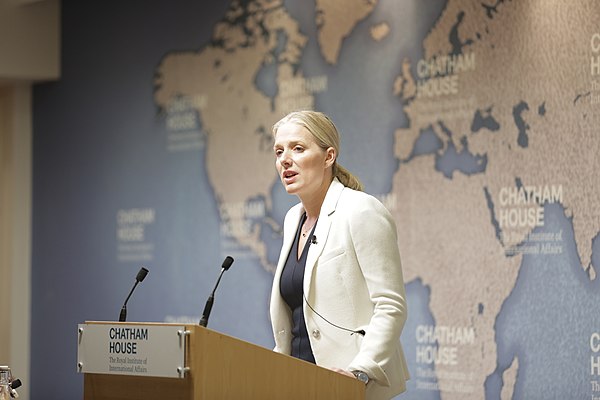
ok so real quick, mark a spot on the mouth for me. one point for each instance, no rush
(288, 176)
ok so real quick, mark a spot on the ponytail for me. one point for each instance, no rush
(346, 178)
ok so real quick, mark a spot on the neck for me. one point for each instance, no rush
(312, 204)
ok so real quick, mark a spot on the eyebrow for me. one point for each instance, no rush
(291, 143)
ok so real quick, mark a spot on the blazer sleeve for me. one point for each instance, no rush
(375, 241)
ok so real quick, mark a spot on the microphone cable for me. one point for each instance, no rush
(352, 332)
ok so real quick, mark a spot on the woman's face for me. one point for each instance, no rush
(304, 168)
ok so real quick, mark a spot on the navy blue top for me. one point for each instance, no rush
(290, 287)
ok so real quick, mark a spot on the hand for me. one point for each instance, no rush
(343, 372)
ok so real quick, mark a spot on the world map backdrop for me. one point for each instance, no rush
(474, 122)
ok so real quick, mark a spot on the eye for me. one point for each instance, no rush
(298, 149)
(278, 152)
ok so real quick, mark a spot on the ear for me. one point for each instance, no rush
(330, 158)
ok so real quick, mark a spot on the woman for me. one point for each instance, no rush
(338, 296)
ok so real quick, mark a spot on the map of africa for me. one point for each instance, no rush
(480, 136)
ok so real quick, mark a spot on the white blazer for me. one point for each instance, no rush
(353, 278)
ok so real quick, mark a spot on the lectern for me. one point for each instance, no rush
(114, 360)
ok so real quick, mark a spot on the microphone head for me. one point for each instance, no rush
(15, 384)
(227, 263)
(141, 275)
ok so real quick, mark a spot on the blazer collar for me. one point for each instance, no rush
(322, 230)
(331, 198)
(320, 234)
(327, 208)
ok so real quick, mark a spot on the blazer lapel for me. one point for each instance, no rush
(289, 235)
(322, 230)
(279, 310)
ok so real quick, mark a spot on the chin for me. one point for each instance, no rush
(290, 190)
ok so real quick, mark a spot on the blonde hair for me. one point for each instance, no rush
(326, 135)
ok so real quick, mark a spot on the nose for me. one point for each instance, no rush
(285, 159)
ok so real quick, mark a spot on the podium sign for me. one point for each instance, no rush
(217, 367)
(132, 349)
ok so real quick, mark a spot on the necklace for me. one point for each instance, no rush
(305, 231)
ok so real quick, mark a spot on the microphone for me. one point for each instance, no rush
(209, 303)
(313, 239)
(140, 277)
